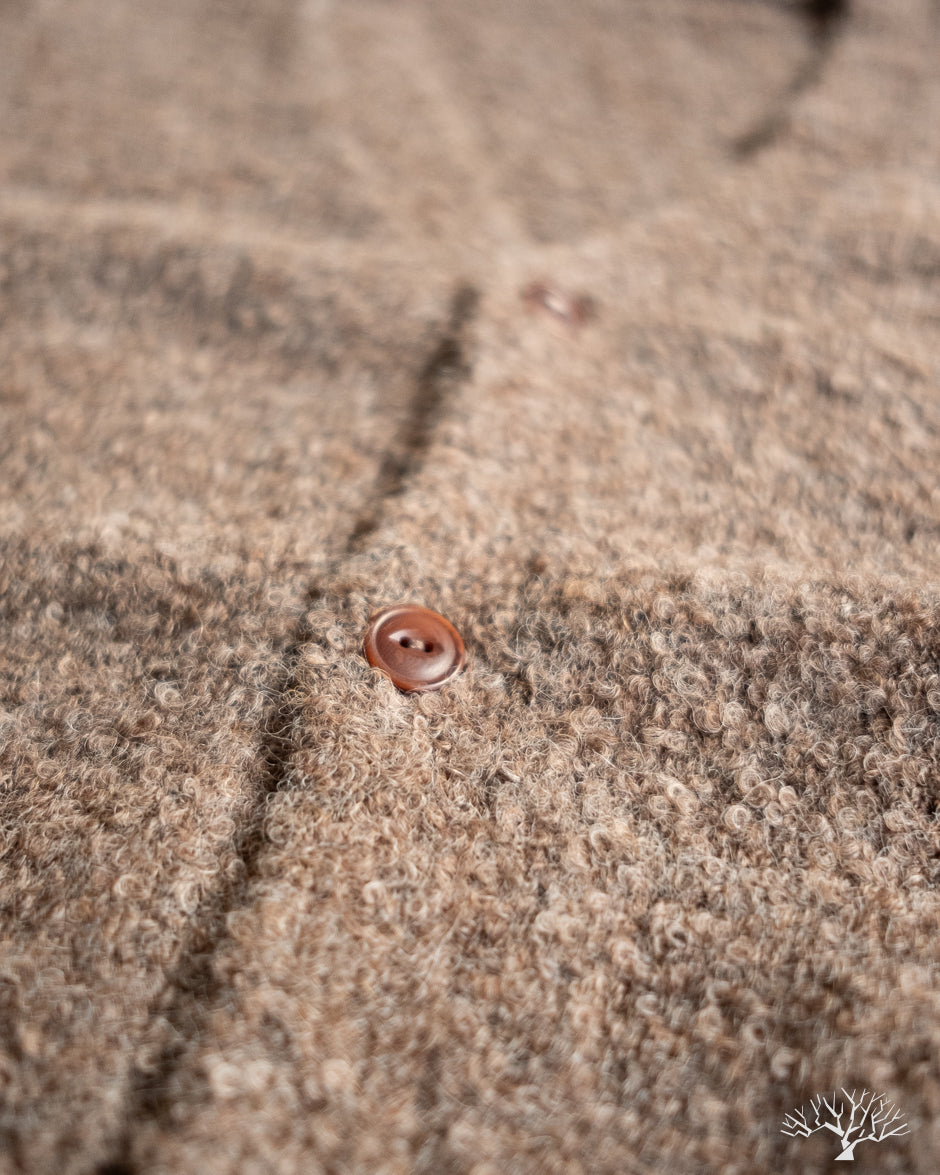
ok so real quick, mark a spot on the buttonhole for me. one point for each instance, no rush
(408, 642)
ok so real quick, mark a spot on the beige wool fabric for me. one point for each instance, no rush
(663, 863)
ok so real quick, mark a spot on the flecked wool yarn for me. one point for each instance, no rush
(662, 864)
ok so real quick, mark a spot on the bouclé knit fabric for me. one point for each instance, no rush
(611, 333)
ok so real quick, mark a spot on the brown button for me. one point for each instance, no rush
(570, 308)
(416, 647)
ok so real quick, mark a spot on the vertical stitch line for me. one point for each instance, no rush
(824, 20)
(445, 370)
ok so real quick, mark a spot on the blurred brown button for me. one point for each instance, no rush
(416, 647)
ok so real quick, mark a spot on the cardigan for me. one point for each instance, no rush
(607, 332)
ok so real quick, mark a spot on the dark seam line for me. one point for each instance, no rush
(14, 1147)
(147, 1092)
(444, 372)
(825, 19)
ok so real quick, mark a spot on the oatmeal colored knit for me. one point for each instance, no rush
(663, 862)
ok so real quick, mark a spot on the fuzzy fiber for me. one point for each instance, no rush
(663, 863)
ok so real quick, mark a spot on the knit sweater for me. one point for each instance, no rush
(609, 332)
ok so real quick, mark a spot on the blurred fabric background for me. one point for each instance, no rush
(611, 332)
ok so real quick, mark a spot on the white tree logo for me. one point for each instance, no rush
(830, 1115)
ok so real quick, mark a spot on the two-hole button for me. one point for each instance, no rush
(417, 648)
